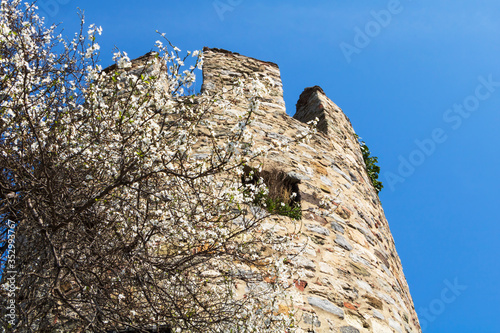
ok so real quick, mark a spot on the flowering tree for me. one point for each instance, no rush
(120, 215)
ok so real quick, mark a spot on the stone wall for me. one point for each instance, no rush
(354, 277)
(147, 65)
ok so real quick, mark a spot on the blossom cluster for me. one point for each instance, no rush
(126, 194)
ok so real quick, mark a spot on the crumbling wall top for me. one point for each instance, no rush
(217, 50)
(221, 68)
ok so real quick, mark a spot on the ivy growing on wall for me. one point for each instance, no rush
(371, 165)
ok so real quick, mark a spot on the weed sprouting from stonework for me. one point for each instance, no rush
(371, 165)
(281, 197)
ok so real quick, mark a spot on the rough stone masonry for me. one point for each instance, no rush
(354, 278)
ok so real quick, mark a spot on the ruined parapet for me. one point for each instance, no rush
(334, 124)
(313, 103)
(222, 68)
(147, 65)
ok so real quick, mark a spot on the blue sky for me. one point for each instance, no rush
(400, 80)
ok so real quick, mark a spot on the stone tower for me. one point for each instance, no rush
(354, 277)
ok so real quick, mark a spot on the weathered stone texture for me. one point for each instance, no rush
(353, 278)
(221, 67)
(149, 64)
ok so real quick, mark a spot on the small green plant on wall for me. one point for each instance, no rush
(371, 165)
(280, 207)
(282, 195)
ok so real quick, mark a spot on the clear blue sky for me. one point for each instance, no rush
(420, 74)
